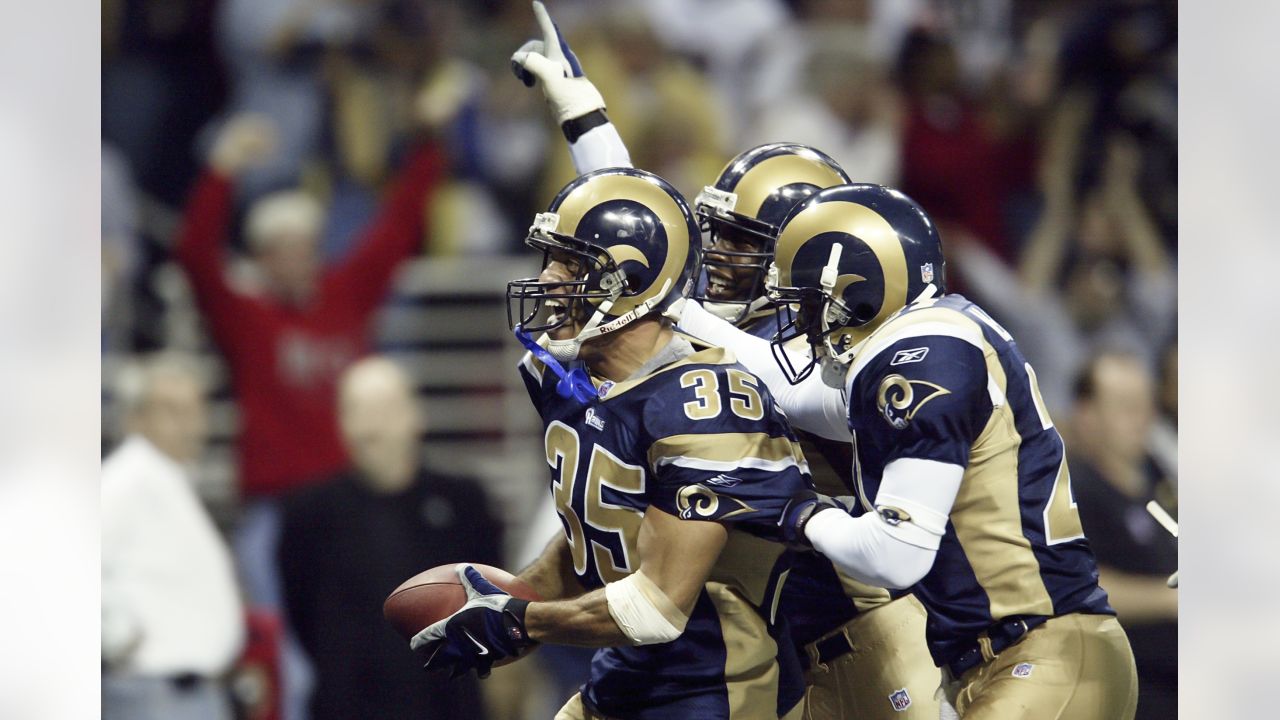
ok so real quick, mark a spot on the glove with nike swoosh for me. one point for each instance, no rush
(488, 628)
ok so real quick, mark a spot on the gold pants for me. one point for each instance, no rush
(889, 657)
(576, 710)
(1074, 667)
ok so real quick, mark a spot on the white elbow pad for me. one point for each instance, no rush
(642, 611)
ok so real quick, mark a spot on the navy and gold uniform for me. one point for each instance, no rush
(700, 439)
(858, 663)
(937, 394)
(940, 380)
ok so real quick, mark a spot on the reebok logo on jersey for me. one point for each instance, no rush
(914, 355)
(723, 480)
(594, 420)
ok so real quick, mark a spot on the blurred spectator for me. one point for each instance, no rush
(1121, 59)
(285, 346)
(172, 622)
(956, 160)
(161, 82)
(1164, 431)
(1112, 478)
(840, 101)
(348, 542)
(274, 50)
(1093, 276)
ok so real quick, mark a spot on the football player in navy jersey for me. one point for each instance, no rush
(863, 650)
(670, 467)
(957, 465)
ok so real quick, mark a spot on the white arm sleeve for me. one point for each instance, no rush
(811, 406)
(599, 147)
(874, 551)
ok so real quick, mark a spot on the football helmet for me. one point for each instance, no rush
(628, 236)
(847, 259)
(740, 216)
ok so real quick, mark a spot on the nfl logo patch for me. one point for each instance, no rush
(900, 700)
(1022, 670)
(605, 387)
(926, 272)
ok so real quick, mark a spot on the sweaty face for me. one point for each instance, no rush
(732, 277)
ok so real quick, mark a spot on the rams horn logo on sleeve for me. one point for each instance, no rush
(899, 401)
(702, 501)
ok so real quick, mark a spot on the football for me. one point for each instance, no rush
(436, 594)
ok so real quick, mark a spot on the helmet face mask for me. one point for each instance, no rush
(539, 305)
(736, 254)
(809, 313)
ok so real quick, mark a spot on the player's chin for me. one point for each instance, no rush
(566, 331)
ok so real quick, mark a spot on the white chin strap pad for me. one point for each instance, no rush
(642, 611)
(564, 351)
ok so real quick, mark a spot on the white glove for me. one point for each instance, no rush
(569, 93)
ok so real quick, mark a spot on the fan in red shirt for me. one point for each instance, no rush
(286, 347)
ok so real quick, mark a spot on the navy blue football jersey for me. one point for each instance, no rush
(700, 439)
(942, 381)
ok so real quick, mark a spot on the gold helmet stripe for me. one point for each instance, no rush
(603, 188)
(761, 181)
(861, 222)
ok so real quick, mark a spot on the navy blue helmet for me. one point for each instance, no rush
(846, 259)
(740, 216)
(631, 238)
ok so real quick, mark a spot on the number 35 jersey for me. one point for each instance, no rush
(943, 381)
(699, 439)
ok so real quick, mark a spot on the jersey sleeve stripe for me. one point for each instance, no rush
(726, 451)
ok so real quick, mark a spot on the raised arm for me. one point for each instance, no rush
(575, 102)
(245, 142)
(395, 233)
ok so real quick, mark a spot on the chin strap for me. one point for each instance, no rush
(573, 384)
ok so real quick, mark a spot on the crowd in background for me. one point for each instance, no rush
(267, 164)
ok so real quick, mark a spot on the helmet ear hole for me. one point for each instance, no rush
(863, 313)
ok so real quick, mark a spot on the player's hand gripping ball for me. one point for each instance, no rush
(462, 617)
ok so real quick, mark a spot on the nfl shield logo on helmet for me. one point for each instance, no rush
(900, 700)
(1022, 670)
(926, 272)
